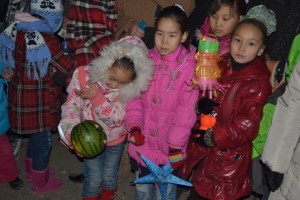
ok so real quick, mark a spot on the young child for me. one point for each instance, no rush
(31, 49)
(8, 169)
(99, 92)
(223, 16)
(160, 120)
(224, 170)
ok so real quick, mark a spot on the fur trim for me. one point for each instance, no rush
(116, 50)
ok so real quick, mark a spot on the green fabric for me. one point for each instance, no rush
(293, 57)
(265, 124)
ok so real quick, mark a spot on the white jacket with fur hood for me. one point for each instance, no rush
(108, 106)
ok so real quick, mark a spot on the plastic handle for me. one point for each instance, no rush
(142, 25)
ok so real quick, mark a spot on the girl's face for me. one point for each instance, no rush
(118, 77)
(246, 43)
(168, 36)
(223, 21)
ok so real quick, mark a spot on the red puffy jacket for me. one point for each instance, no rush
(224, 170)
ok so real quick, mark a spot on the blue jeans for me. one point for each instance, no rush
(151, 191)
(102, 171)
(39, 149)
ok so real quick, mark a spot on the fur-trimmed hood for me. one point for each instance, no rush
(133, 48)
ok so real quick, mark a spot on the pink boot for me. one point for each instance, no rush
(28, 167)
(42, 182)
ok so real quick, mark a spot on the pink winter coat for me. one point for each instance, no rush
(166, 111)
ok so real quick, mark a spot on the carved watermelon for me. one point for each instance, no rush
(88, 138)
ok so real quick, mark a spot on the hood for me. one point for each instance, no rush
(133, 48)
(50, 10)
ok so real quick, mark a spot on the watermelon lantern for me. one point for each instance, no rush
(88, 138)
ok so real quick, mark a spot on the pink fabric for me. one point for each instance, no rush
(25, 17)
(224, 41)
(8, 168)
(166, 111)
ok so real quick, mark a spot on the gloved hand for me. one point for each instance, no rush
(175, 157)
(136, 136)
(204, 138)
(274, 179)
(206, 106)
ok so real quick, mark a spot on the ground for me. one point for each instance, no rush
(65, 163)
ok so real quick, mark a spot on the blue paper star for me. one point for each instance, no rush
(160, 175)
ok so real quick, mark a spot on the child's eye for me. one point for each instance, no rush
(158, 33)
(111, 78)
(214, 16)
(172, 35)
(226, 18)
(236, 40)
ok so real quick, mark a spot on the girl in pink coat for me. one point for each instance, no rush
(161, 119)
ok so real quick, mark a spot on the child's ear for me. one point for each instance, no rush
(184, 37)
(261, 51)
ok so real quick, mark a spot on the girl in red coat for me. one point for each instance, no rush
(224, 151)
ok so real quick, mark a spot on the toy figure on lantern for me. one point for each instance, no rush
(207, 69)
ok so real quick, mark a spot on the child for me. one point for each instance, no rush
(121, 73)
(160, 121)
(31, 49)
(8, 169)
(223, 16)
(223, 172)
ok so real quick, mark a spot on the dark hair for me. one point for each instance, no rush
(176, 13)
(256, 23)
(126, 64)
(238, 6)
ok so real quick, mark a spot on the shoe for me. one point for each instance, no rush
(108, 194)
(76, 178)
(16, 184)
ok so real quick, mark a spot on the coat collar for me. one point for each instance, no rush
(257, 69)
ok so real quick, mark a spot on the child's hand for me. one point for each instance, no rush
(7, 73)
(136, 31)
(70, 147)
(89, 92)
(136, 136)
(175, 158)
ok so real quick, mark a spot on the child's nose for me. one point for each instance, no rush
(164, 39)
(242, 47)
(218, 22)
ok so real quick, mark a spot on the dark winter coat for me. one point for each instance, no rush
(224, 170)
(34, 105)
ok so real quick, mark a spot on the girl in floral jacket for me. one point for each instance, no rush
(99, 92)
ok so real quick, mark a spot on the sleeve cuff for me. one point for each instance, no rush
(98, 99)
